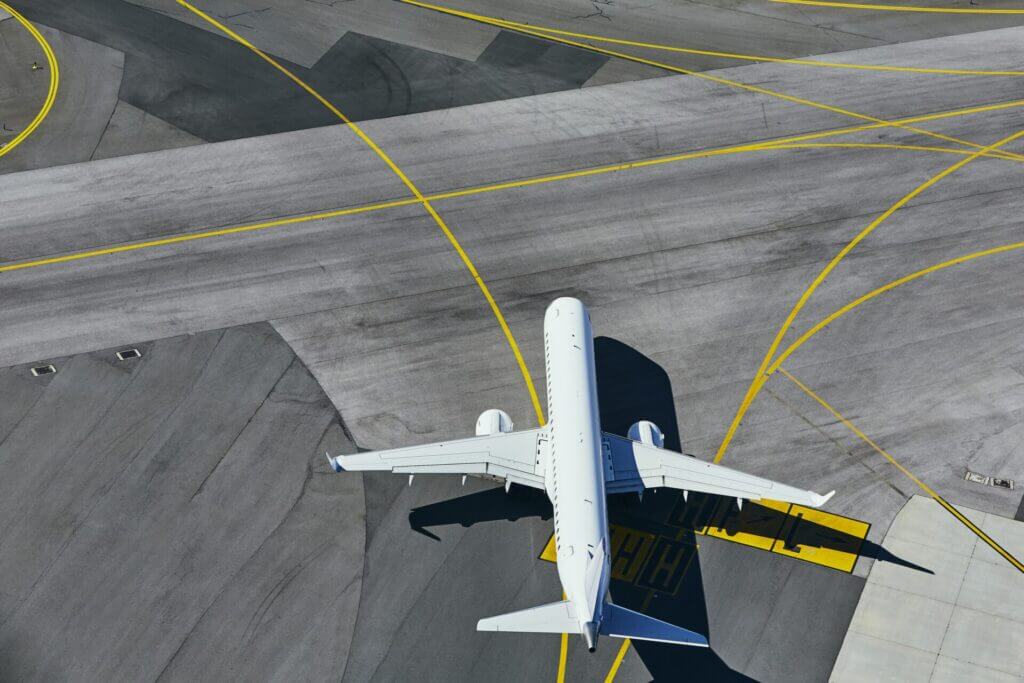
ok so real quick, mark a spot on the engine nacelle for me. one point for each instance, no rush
(647, 433)
(493, 421)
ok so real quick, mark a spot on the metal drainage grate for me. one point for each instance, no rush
(128, 354)
(986, 480)
(40, 370)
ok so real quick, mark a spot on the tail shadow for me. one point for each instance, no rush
(668, 585)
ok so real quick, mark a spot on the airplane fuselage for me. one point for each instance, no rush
(574, 477)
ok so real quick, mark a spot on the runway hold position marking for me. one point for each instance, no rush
(420, 198)
(51, 94)
(648, 559)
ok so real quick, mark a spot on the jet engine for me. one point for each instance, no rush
(645, 432)
(493, 421)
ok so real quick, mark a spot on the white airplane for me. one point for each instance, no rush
(577, 465)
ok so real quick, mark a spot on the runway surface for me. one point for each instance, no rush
(688, 258)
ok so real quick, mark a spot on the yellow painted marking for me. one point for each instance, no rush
(545, 33)
(761, 377)
(630, 549)
(563, 652)
(51, 94)
(835, 315)
(754, 58)
(758, 524)
(550, 553)
(924, 487)
(902, 8)
(805, 536)
(780, 143)
(617, 662)
(467, 262)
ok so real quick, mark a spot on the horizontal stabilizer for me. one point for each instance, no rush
(555, 617)
(620, 622)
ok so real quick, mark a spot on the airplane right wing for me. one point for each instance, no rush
(634, 466)
(512, 457)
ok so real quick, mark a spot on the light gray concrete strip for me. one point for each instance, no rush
(975, 631)
(133, 131)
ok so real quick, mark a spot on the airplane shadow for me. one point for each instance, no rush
(666, 583)
(631, 387)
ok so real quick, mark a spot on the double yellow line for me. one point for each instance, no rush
(51, 94)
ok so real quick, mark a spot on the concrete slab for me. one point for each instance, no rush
(949, 670)
(986, 640)
(945, 568)
(901, 617)
(1009, 533)
(871, 659)
(971, 627)
(992, 588)
(920, 525)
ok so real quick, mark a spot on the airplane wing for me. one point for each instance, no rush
(512, 457)
(634, 466)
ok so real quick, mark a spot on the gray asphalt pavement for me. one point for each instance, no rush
(692, 264)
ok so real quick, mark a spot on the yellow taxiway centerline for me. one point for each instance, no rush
(544, 33)
(760, 377)
(839, 313)
(924, 487)
(452, 194)
(902, 8)
(754, 58)
(51, 94)
(467, 262)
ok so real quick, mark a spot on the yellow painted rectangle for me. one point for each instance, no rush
(757, 524)
(822, 538)
(629, 551)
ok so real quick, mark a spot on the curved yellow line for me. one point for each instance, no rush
(760, 377)
(757, 58)
(836, 315)
(541, 32)
(51, 94)
(449, 235)
(901, 8)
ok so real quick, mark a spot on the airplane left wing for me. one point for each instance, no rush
(634, 466)
(512, 457)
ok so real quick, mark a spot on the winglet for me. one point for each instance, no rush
(335, 464)
(820, 500)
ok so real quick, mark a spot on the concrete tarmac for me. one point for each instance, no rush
(692, 264)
